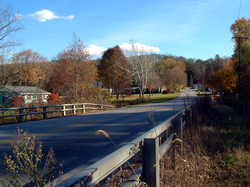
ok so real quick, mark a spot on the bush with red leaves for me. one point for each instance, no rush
(53, 98)
(165, 92)
(17, 101)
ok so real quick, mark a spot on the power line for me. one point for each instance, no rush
(239, 9)
(224, 47)
(229, 50)
(228, 53)
(238, 18)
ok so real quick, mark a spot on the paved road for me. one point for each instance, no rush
(73, 138)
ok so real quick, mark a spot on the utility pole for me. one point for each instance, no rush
(239, 86)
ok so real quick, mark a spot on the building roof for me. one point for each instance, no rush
(24, 89)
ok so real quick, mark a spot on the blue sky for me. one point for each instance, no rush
(197, 29)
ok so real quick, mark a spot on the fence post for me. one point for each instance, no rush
(21, 116)
(45, 114)
(150, 164)
(83, 110)
(74, 107)
(64, 111)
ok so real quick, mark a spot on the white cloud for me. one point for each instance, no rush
(95, 51)
(18, 16)
(44, 15)
(68, 17)
(142, 47)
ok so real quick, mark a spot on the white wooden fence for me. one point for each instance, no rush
(63, 108)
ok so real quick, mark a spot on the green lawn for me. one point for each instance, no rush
(156, 98)
(9, 119)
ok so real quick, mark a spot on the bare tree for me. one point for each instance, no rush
(154, 82)
(140, 64)
(9, 26)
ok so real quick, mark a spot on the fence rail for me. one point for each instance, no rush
(171, 129)
(55, 108)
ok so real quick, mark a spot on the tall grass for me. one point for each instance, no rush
(215, 153)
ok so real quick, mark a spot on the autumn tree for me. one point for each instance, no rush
(32, 70)
(241, 32)
(110, 72)
(225, 75)
(166, 70)
(244, 74)
(140, 64)
(74, 72)
(241, 28)
(176, 79)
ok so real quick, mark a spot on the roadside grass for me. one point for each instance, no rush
(216, 151)
(134, 100)
(9, 119)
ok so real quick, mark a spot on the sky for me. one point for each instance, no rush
(197, 29)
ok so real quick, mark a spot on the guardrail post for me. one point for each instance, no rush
(45, 114)
(150, 164)
(178, 126)
(187, 114)
(21, 116)
(178, 130)
(83, 110)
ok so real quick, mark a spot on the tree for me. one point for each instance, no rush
(166, 69)
(111, 74)
(241, 28)
(244, 72)
(32, 70)
(74, 72)
(140, 64)
(9, 26)
(154, 82)
(225, 75)
(176, 79)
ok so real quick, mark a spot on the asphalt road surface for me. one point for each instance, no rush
(73, 138)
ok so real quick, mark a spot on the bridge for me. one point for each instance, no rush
(73, 138)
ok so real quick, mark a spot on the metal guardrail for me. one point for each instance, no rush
(104, 167)
(74, 108)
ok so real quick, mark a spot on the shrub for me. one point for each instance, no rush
(165, 92)
(139, 101)
(52, 98)
(27, 159)
(17, 101)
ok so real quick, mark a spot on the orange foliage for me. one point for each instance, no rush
(225, 75)
(110, 72)
(74, 73)
(31, 72)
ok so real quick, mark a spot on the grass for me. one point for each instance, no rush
(135, 100)
(9, 119)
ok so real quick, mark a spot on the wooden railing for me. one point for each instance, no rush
(43, 111)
